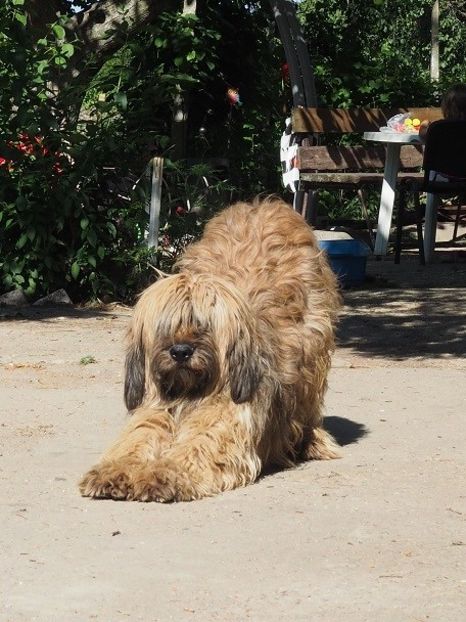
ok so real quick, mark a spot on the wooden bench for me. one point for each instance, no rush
(337, 166)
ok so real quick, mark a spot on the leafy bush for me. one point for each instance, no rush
(378, 53)
(71, 152)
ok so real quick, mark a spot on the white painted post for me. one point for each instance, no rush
(155, 202)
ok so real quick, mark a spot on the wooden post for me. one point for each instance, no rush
(155, 202)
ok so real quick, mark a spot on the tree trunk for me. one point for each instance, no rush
(41, 13)
(435, 52)
(108, 23)
(179, 130)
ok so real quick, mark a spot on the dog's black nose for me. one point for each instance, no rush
(181, 352)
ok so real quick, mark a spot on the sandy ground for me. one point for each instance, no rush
(378, 535)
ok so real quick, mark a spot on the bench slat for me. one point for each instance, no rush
(334, 158)
(338, 120)
(351, 181)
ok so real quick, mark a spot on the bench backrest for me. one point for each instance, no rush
(359, 120)
(370, 157)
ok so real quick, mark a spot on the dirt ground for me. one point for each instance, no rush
(378, 535)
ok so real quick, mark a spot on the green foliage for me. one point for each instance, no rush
(66, 145)
(192, 195)
(58, 227)
(249, 61)
(378, 53)
(87, 360)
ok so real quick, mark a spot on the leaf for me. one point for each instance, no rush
(121, 100)
(159, 43)
(92, 237)
(41, 66)
(59, 31)
(84, 223)
(101, 252)
(181, 77)
(67, 49)
(22, 241)
(191, 55)
(17, 2)
(112, 229)
(21, 18)
(75, 269)
(30, 290)
(92, 261)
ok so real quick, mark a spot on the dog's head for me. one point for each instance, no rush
(191, 336)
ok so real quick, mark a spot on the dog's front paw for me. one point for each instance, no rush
(156, 483)
(107, 481)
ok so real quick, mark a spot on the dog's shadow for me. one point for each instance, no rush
(345, 431)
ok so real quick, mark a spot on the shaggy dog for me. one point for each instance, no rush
(227, 362)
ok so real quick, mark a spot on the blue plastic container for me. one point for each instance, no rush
(347, 259)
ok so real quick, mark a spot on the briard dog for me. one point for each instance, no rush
(227, 362)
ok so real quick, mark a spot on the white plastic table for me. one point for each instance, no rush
(394, 140)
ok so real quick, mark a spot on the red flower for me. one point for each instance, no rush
(57, 168)
(180, 210)
(34, 147)
(233, 97)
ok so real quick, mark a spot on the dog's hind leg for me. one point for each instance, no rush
(146, 435)
(213, 451)
(320, 446)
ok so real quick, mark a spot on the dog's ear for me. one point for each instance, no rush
(245, 372)
(135, 376)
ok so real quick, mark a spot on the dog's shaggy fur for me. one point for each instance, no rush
(227, 362)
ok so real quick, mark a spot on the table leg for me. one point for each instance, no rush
(430, 226)
(387, 198)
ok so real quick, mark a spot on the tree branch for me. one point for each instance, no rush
(108, 23)
(40, 14)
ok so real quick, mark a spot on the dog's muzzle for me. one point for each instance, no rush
(181, 352)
